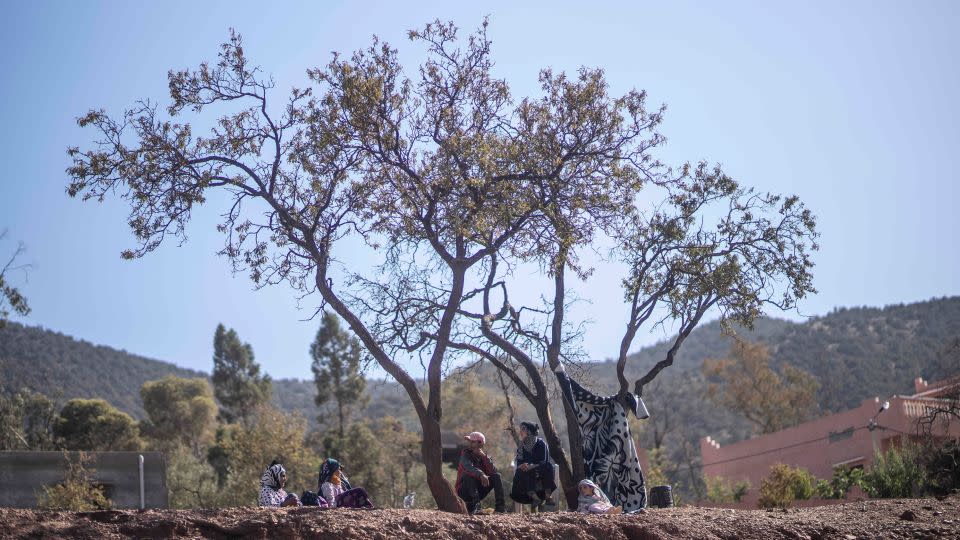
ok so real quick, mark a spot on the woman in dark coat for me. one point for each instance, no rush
(533, 481)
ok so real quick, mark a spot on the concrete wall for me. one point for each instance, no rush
(23, 474)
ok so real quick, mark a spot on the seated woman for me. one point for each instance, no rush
(593, 500)
(271, 487)
(533, 481)
(336, 489)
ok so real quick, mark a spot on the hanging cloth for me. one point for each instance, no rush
(609, 454)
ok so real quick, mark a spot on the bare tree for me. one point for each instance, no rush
(939, 412)
(11, 299)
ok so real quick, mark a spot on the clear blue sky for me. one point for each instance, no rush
(851, 105)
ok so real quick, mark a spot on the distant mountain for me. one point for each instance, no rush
(855, 353)
(61, 366)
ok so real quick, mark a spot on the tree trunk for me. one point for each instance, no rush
(577, 472)
(443, 493)
(340, 415)
(568, 483)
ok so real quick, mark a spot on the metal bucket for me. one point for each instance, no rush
(661, 497)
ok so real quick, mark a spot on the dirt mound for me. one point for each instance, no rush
(902, 518)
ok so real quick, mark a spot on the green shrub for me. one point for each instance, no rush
(77, 492)
(943, 468)
(844, 478)
(720, 491)
(784, 485)
(191, 480)
(740, 490)
(897, 473)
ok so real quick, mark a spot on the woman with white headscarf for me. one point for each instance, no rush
(593, 500)
(271, 487)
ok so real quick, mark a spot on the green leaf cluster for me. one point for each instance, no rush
(785, 484)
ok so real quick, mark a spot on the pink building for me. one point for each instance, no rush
(844, 439)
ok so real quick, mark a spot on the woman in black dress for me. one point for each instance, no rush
(533, 481)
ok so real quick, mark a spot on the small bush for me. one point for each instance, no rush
(740, 490)
(77, 492)
(784, 485)
(720, 491)
(843, 480)
(897, 473)
(943, 468)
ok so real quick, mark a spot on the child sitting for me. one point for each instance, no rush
(593, 500)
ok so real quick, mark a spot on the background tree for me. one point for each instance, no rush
(785, 484)
(95, 425)
(11, 424)
(746, 383)
(364, 457)
(26, 421)
(192, 482)
(947, 363)
(474, 407)
(180, 412)
(10, 297)
(337, 370)
(403, 447)
(249, 448)
(237, 382)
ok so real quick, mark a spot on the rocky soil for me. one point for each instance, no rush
(901, 518)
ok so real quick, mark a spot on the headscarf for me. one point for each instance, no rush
(329, 467)
(586, 500)
(526, 445)
(271, 476)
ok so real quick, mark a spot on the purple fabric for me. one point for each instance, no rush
(354, 498)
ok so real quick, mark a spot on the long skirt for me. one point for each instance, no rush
(539, 479)
(354, 498)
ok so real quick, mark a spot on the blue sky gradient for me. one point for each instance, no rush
(850, 105)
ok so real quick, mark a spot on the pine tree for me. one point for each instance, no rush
(337, 370)
(237, 382)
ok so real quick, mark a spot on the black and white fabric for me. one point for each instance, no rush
(271, 477)
(609, 454)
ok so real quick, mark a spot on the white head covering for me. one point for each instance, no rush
(598, 494)
(271, 476)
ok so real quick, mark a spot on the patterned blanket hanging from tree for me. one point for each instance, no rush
(610, 456)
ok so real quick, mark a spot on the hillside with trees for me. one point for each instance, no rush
(882, 349)
(63, 367)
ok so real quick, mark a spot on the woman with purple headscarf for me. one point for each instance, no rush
(336, 489)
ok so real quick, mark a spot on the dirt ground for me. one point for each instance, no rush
(901, 518)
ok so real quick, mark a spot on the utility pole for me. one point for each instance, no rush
(873, 426)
